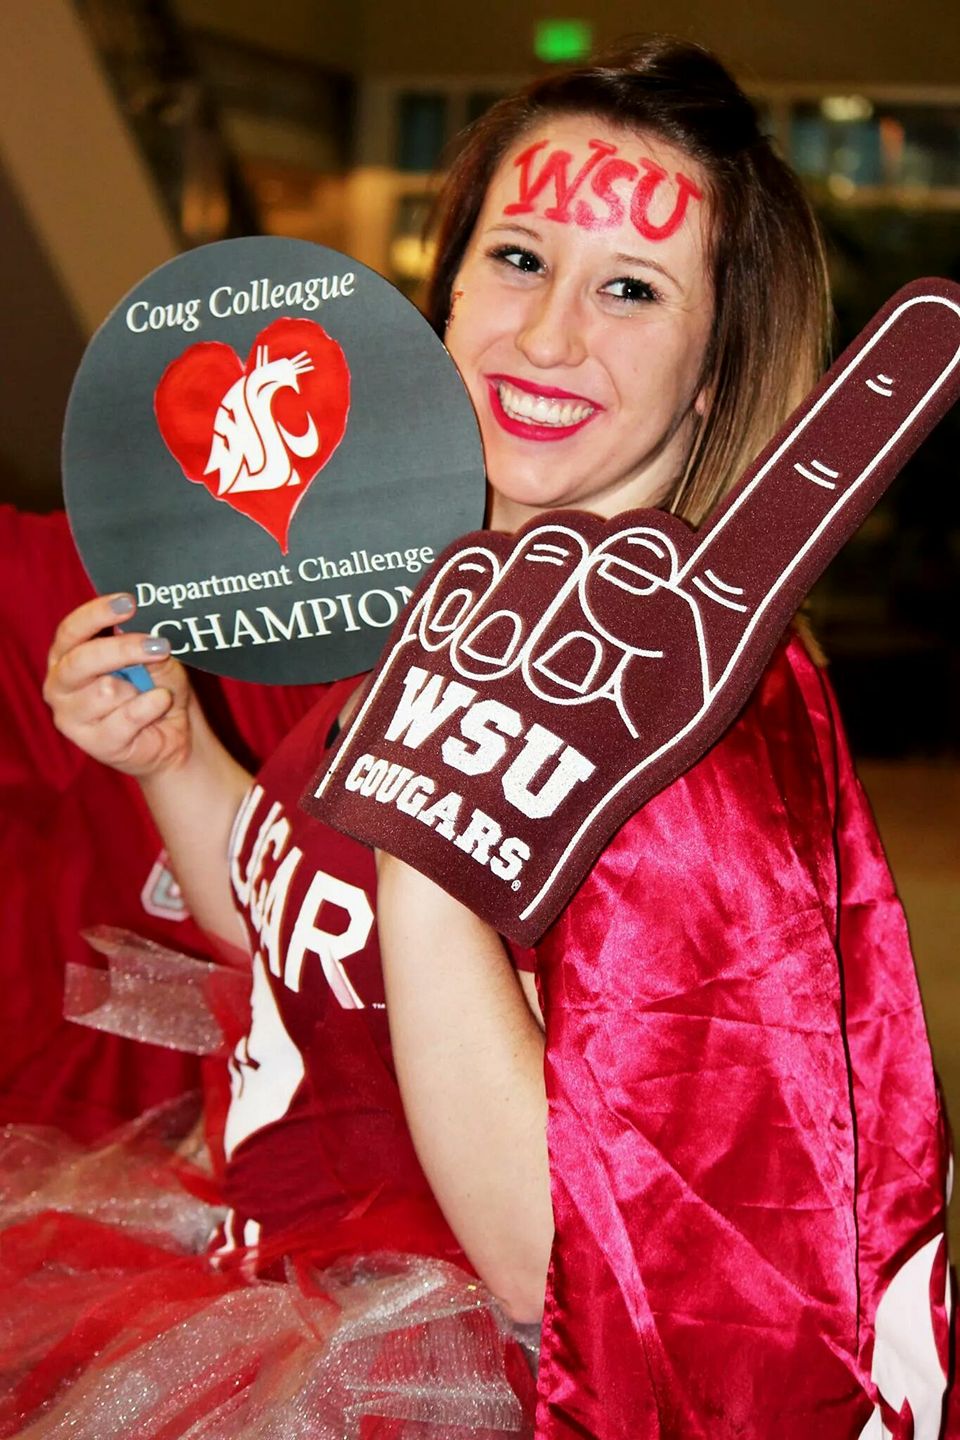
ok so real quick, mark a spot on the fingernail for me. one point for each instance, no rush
(121, 604)
(156, 645)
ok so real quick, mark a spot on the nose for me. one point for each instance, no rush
(552, 332)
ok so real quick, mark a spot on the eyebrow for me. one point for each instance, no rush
(644, 260)
(519, 230)
(620, 257)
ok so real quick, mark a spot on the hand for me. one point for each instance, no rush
(545, 685)
(139, 733)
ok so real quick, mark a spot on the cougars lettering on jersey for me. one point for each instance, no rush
(262, 888)
(315, 1130)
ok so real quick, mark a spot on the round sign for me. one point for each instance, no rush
(266, 445)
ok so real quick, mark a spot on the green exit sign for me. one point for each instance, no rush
(560, 41)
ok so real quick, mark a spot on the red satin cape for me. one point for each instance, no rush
(745, 1134)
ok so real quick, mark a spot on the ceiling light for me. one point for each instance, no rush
(559, 42)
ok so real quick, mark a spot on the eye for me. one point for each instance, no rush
(517, 258)
(631, 290)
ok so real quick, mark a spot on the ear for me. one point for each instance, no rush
(707, 381)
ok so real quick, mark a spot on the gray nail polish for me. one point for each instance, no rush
(156, 645)
(121, 604)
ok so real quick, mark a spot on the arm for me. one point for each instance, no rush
(469, 1056)
(194, 805)
(192, 784)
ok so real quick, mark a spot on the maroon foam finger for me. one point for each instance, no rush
(829, 465)
(543, 686)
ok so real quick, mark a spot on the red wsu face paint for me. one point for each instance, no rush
(604, 169)
(583, 312)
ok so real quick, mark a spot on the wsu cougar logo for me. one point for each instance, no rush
(257, 435)
(251, 449)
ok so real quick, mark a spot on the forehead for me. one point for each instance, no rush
(575, 131)
(583, 171)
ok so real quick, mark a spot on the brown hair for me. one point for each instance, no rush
(769, 276)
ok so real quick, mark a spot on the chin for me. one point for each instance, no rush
(518, 481)
(521, 502)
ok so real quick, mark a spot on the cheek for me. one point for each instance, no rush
(481, 321)
(466, 346)
(462, 342)
(666, 368)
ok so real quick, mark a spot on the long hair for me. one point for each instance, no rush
(771, 296)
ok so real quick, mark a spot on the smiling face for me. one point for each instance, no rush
(581, 315)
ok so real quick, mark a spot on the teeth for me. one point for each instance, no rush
(538, 410)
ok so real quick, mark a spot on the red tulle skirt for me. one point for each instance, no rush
(116, 1321)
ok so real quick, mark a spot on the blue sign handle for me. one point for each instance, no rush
(138, 675)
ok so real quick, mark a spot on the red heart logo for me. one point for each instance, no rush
(257, 435)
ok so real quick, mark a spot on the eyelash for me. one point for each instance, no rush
(530, 264)
(503, 253)
(646, 295)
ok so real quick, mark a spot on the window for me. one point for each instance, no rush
(421, 131)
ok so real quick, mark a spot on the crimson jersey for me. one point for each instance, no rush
(315, 1135)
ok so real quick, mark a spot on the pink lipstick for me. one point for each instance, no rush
(538, 412)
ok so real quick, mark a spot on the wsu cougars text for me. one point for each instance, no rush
(539, 771)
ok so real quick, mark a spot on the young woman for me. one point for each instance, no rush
(749, 1158)
(632, 287)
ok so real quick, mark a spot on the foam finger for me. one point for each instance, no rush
(825, 470)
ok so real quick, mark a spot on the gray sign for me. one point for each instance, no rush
(267, 445)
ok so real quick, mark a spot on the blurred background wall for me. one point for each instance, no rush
(130, 129)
